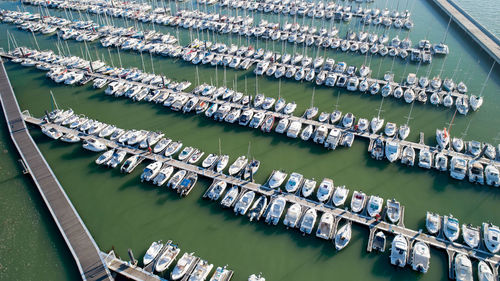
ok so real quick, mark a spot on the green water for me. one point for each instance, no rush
(121, 212)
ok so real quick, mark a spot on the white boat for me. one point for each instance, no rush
(293, 182)
(151, 171)
(443, 138)
(105, 157)
(185, 153)
(399, 251)
(167, 257)
(484, 272)
(163, 175)
(51, 132)
(130, 164)
(258, 208)
(425, 159)
(476, 172)
(491, 237)
(451, 228)
(458, 167)
(254, 277)
(376, 124)
(374, 206)
(237, 165)
(222, 163)
(152, 252)
(308, 187)
(176, 179)
(325, 226)
(408, 156)
(390, 129)
(182, 266)
(343, 236)
(173, 148)
(358, 201)
(340, 196)
(293, 215)
(325, 190)
(433, 223)
(276, 179)
(275, 210)
(491, 174)
(201, 271)
(94, 145)
(471, 235)
(392, 150)
(458, 144)
(230, 197)
(220, 274)
(210, 160)
(420, 257)
(308, 221)
(393, 210)
(242, 206)
(463, 268)
(70, 138)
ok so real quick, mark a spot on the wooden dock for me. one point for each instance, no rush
(127, 269)
(76, 235)
(475, 30)
(372, 223)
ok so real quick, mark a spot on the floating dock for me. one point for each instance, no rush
(127, 269)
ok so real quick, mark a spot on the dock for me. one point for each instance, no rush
(489, 42)
(76, 235)
(127, 269)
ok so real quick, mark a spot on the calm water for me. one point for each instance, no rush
(121, 212)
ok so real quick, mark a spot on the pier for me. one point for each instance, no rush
(127, 269)
(372, 223)
(75, 234)
(475, 30)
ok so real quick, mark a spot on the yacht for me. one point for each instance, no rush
(182, 266)
(392, 150)
(308, 221)
(463, 268)
(425, 159)
(491, 174)
(276, 210)
(230, 197)
(293, 215)
(484, 272)
(343, 236)
(458, 167)
(243, 204)
(420, 257)
(163, 175)
(94, 145)
(451, 228)
(340, 196)
(325, 190)
(167, 257)
(152, 252)
(491, 237)
(358, 201)
(293, 182)
(399, 251)
(308, 187)
(258, 208)
(276, 179)
(433, 223)
(237, 165)
(374, 207)
(393, 210)
(476, 172)
(325, 227)
(471, 235)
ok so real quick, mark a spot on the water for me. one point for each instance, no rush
(121, 212)
(485, 12)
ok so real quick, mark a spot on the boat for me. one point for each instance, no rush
(185, 153)
(176, 179)
(379, 241)
(376, 124)
(458, 144)
(293, 182)
(187, 183)
(425, 158)
(275, 210)
(433, 223)
(392, 150)
(222, 163)
(471, 235)
(377, 151)
(348, 120)
(443, 138)
(182, 266)
(458, 167)
(451, 228)
(463, 268)
(152, 252)
(163, 175)
(308, 187)
(307, 132)
(441, 162)
(399, 251)
(151, 171)
(325, 227)
(243, 204)
(195, 156)
(491, 174)
(476, 172)
(51, 132)
(216, 190)
(293, 215)
(276, 179)
(325, 190)
(484, 272)
(408, 156)
(130, 164)
(308, 221)
(358, 201)
(374, 206)
(420, 257)
(173, 148)
(390, 129)
(70, 138)
(230, 197)
(491, 237)
(254, 277)
(237, 165)
(335, 116)
(258, 208)
(221, 274)
(201, 271)
(210, 160)
(94, 145)
(167, 257)
(343, 236)
(105, 157)
(393, 210)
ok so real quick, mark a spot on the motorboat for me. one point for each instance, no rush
(463, 268)
(476, 172)
(491, 237)
(471, 235)
(275, 210)
(94, 145)
(258, 208)
(335, 116)
(176, 179)
(358, 201)
(433, 223)
(376, 124)
(238, 165)
(222, 163)
(195, 156)
(451, 228)
(254, 277)
(420, 257)
(173, 148)
(210, 160)
(441, 162)
(390, 129)
(474, 148)
(393, 210)
(276, 179)
(408, 156)
(404, 131)
(325, 227)
(308, 221)
(293, 182)
(343, 236)
(308, 187)
(182, 266)
(307, 132)
(325, 190)
(484, 272)
(374, 206)
(116, 158)
(152, 252)
(340, 196)
(378, 149)
(167, 257)
(221, 274)
(379, 241)
(201, 271)
(491, 174)
(348, 120)
(311, 113)
(243, 204)
(458, 144)
(399, 251)
(230, 197)
(458, 167)
(363, 125)
(185, 153)
(70, 138)
(51, 132)
(105, 157)
(392, 150)
(130, 164)
(293, 215)
(425, 158)
(216, 190)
